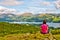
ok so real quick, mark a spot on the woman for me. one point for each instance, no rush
(44, 28)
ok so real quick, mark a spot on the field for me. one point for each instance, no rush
(26, 32)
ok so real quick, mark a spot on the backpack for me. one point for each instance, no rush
(44, 28)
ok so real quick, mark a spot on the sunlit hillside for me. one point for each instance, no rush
(26, 32)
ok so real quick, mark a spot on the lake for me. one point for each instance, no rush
(51, 24)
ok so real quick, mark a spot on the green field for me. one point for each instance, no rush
(26, 32)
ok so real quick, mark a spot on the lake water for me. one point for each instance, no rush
(50, 24)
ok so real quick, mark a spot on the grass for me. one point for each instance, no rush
(29, 36)
(25, 32)
(7, 28)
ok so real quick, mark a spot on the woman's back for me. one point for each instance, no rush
(44, 28)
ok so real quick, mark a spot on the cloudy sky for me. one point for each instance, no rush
(33, 6)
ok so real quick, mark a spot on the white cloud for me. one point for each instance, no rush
(11, 2)
(57, 3)
(41, 10)
(35, 9)
(41, 2)
(6, 10)
(46, 3)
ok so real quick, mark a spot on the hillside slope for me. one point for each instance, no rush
(25, 32)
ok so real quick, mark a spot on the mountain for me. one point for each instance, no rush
(29, 17)
(27, 14)
(6, 17)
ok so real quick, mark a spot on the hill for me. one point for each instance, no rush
(26, 32)
(29, 17)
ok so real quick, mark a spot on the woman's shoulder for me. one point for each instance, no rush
(44, 25)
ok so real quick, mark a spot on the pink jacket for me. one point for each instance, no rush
(44, 28)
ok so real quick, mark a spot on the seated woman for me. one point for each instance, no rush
(44, 28)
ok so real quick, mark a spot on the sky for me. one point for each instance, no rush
(32, 6)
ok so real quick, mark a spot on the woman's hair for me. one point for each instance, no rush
(44, 22)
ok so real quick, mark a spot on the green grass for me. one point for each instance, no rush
(25, 31)
(6, 28)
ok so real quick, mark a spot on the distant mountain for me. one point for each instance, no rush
(27, 14)
(29, 17)
(6, 17)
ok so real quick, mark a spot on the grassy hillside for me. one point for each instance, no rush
(25, 32)
(6, 28)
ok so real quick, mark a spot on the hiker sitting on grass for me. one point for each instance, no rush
(44, 28)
